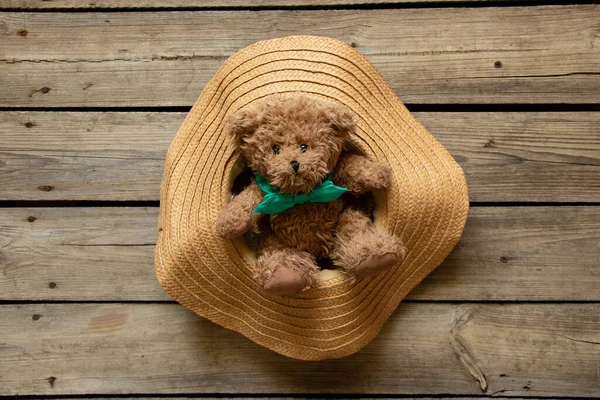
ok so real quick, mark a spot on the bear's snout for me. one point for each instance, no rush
(295, 165)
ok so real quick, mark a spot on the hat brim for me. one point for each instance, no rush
(426, 206)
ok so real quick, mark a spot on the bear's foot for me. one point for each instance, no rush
(376, 263)
(285, 282)
(363, 249)
(284, 271)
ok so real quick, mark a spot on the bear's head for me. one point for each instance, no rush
(293, 142)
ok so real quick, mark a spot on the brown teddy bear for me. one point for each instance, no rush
(294, 145)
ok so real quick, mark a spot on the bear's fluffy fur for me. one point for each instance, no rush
(275, 134)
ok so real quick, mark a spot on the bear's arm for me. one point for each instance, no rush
(360, 174)
(238, 216)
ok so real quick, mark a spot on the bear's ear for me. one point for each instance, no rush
(340, 119)
(241, 124)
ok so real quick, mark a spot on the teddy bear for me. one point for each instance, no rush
(295, 146)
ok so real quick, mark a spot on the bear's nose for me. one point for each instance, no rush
(295, 165)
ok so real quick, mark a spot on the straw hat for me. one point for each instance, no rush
(426, 206)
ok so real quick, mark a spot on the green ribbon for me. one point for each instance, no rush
(275, 202)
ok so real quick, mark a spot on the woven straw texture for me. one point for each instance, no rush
(427, 204)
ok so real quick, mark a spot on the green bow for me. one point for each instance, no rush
(275, 202)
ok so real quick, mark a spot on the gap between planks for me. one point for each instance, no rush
(277, 396)
(156, 203)
(186, 5)
(412, 107)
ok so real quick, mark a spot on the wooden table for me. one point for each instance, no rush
(91, 94)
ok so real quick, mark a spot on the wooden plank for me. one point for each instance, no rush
(78, 254)
(101, 156)
(165, 58)
(506, 253)
(428, 79)
(521, 253)
(464, 349)
(523, 156)
(206, 34)
(194, 4)
(119, 156)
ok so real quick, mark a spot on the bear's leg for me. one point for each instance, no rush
(285, 271)
(362, 248)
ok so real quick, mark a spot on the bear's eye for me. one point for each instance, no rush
(303, 148)
(275, 149)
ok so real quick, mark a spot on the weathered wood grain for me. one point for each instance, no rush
(471, 349)
(78, 254)
(194, 4)
(428, 55)
(205, 34)
(119, 156)
(523, 156)
(506, 253)
(101, 156)
(521, 253)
